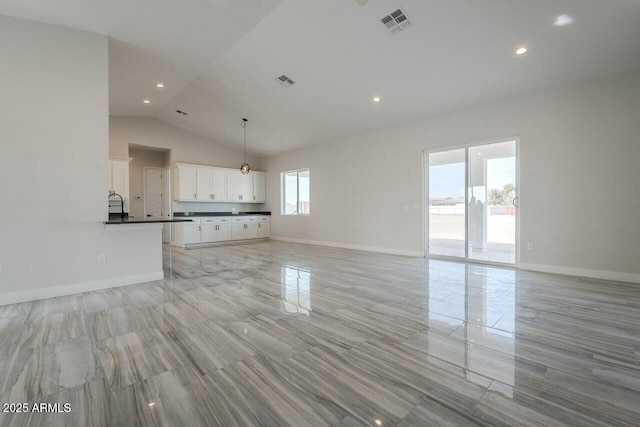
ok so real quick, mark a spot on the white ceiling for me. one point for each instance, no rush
(219, 59)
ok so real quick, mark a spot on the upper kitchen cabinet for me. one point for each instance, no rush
(194, 183)
(246, 187)
(119, 177)
(185, 182)
(259, 186)
(218, 184)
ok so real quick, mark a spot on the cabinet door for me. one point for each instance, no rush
(264, 230)
(209, 233)
(224, 232)
(218, 184)
(246, 187)
(259, 187)
(233, 185)
(192, 234)
(203, 184)
(185, 182)
(237, 231)
(120, 177)
(252, 231)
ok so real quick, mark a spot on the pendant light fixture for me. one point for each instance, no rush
(245, 168)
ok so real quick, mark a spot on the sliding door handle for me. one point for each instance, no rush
(516, 201)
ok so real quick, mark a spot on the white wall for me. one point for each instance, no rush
(580, 148)
(53, 168)
(185, 146)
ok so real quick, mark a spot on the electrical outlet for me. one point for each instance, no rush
(102, 258)
(530, 246)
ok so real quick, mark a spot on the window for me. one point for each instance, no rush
(295, 192)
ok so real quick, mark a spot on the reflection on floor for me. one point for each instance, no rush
(286, 334)
(503, 253)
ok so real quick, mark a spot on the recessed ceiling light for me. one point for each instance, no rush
(521, 50)
(562, 20)
(152, 404)
(378, 422)
(146, 101)
(159, 85)
(376, 99)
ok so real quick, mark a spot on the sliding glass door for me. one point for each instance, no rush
(447, 213)
(472, 203)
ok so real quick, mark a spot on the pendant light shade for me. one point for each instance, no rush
(245, 168)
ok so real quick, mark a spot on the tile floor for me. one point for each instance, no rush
(285, 334)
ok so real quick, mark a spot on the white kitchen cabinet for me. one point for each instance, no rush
(264, 230)
(259, 187)
(218, 184)
(237, 231)
(119, 177)
(185, 182)
(233, 185)
(192, 234)
(221, 229)
(194, 183)
(209, 233)
(251, 231)
(246, 187)
(203, 184)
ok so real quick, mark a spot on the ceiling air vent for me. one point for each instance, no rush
(396, 22)
(285, 81)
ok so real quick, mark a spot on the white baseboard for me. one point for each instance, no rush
(348, 246)
(77, 288)
(583, 272)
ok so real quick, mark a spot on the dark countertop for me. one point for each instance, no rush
(190, 214)
(121, 221)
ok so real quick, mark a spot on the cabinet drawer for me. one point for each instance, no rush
(208, 220)
(194, 221)
(264, 218)
(223, 220)
(238, 220)
(252, 219)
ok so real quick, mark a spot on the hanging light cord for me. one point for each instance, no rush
(244, 126)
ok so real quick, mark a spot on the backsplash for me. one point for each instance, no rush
(217, 207)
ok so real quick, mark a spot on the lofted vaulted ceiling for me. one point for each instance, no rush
(219, 59)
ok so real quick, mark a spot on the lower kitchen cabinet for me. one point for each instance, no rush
(220, 229)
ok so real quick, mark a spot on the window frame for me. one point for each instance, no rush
(283, 192)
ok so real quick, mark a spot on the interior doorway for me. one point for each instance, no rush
(472, 202)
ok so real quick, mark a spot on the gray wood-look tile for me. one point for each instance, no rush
(277, 334)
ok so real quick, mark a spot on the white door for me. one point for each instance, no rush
(252, 231)
(186, 179)
(203, 184)
(209, 233)
(152, 192)
(237, 231)
(224, 232)
(233, 185)
(246, 187)
(192, 234)
(259, 187)
(218, 184)
(264, 230)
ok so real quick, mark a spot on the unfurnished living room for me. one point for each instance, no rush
(319, 213)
